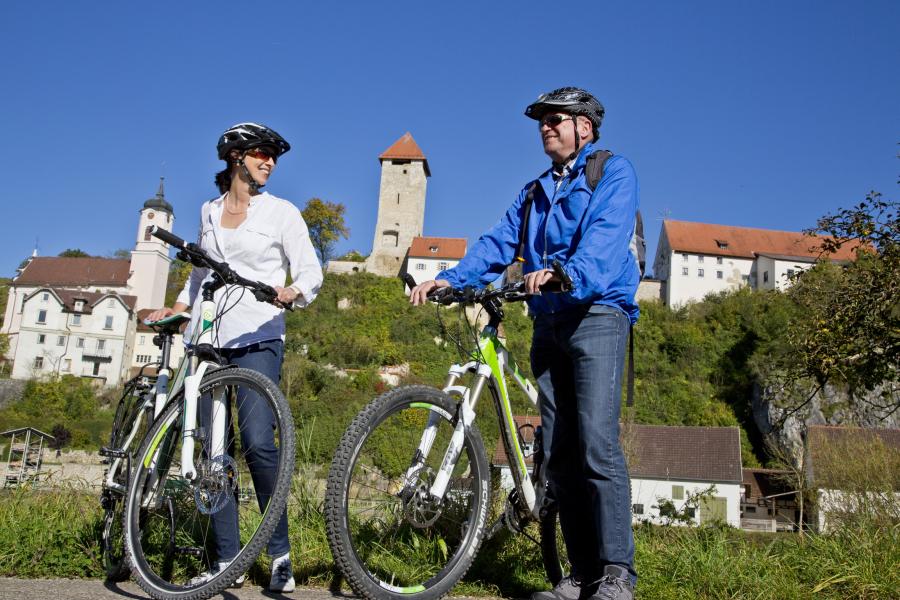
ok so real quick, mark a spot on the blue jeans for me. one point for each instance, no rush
(257, 423)
(578, 357)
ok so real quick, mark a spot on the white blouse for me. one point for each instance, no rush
(272, 243)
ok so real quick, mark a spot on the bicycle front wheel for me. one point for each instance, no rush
(389, 536)
(180, 518)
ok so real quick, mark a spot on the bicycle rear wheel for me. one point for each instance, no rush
(169, 533)
(388, 535)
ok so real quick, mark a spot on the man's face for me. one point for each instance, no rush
(558, 134)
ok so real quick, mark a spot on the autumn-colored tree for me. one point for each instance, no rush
(325, 221)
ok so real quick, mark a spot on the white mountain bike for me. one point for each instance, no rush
(192, 461)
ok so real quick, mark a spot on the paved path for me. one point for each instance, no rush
(92, 589)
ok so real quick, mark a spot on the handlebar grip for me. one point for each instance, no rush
(565, 280)
(166, 236)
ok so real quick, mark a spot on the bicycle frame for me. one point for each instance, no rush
(488, 365)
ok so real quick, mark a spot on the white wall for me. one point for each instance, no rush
(648, 491)
(423, 269)
(719, 273)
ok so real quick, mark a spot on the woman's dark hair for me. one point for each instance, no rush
(223, 179)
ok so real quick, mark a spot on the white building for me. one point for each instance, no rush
(667, 466)
(145, 352)
(696, 259)
(78, 315)
(428, 256)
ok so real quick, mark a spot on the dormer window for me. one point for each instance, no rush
(79, 305)
(722, 244)
(433, 248)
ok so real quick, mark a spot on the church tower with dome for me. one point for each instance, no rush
(150, 260)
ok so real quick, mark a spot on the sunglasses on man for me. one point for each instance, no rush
(554, 120)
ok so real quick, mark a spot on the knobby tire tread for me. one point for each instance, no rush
(277, 502)
(338, 481)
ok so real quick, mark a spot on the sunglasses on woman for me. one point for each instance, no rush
(262, 153)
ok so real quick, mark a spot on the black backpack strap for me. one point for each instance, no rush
(523, 230)
(630, 398)
(593, 167)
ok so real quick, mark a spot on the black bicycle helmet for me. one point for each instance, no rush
(570, 100)
(244, 136)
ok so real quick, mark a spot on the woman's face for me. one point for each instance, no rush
(260, 162)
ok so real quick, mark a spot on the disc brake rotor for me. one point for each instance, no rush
(216, 484)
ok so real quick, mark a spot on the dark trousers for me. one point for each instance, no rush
(257, 424)
(578, 357)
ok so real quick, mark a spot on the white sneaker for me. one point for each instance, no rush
(282, 575)
(217, 568)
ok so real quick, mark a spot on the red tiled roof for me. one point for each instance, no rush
(745, 242)
(446, 247)
(499, 457)
(66, 271)
(681, 453)
(405, 148)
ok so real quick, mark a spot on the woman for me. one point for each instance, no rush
(262, 238)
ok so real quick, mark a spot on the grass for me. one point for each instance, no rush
(56, 533)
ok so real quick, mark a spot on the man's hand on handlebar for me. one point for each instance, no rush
(534, 280)
(419, 294)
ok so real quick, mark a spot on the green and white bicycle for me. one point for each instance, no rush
(409, 489)
(178, 456)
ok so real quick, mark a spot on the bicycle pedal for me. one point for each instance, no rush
(113, 452)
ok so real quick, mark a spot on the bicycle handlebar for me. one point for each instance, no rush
(513, 292)
(195, 255)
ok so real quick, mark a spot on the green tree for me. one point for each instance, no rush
(74, 253)
(848, 325)
(179, 271)
(325, 221)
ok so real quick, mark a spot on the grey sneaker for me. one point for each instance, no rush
(282, 575)
(214, 572)
(614, 585)
(570, 587)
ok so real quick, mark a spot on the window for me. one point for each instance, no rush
(699, 272)
(76, 319)
(750, 509)
(141, 340)
(109, 322)
(41, 338)
(112, 303)
(67, 365)
(699, 259)
(684, 257)
(637, 509)
(684, 270)
(147, 233)
(722, 244)
(42, 317)
(442, 266)
(790, 273)
(433, 248)
(38, 362)
(745, 278)
(765, 277)
(101, 344)
(718, 260)
(420, 266)
(60, 340)
(718, 274)
(45, 296)
(677, 492)
(79, 305)
(690, 511)
(79, 343)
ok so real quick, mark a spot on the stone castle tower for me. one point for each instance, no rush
(401, 205)
(150, 258)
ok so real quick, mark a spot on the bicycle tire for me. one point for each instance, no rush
(387, 539)
(553, 547)
(168, 532)
(112, 547)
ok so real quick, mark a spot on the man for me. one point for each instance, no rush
(578, 347)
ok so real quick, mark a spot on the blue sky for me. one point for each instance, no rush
(762, 114)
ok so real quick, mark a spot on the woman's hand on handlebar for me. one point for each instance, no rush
(534, 280)
(162, 313)
(286, 296)
(419, 294)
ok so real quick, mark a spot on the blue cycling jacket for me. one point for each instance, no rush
(589, 233)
